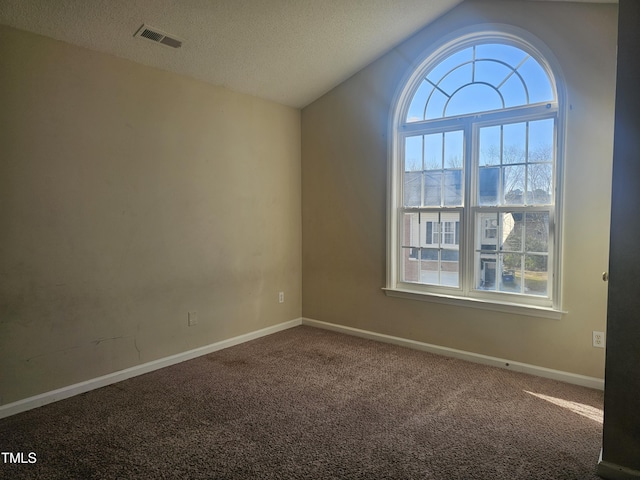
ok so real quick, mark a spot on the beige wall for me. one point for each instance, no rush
(344, 185)
(129, 196)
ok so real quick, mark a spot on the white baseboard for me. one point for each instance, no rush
(88, 385)
(82, 387)
(611, 471)
(567, 377)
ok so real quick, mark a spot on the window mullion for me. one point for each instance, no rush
(501, 175)
(468, 236)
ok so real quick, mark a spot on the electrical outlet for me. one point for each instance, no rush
(598, 339)
(281, 297)
(193, 318)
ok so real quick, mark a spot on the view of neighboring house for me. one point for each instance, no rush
(512, 243)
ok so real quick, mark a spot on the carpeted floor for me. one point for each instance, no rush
(312, 404)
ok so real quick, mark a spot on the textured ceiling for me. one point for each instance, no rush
(288, 51)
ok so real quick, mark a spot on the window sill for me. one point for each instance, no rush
(514, 308)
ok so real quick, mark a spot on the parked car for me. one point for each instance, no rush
(508, 276)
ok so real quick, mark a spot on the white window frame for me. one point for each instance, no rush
(467, 294)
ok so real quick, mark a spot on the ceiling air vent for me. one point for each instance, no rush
(158, 36)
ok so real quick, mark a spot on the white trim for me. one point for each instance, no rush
(613, 471)
(452, 43)
(475, 302)
(566, 377)
(88, 385)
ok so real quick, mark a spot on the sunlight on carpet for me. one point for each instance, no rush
(588, 411)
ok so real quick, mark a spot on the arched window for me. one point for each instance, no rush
(475, 174)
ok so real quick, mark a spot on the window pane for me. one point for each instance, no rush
(487, 232)
(412, 169)
(536, 275)
(410, 265)
(412, 188)
(512, 232)
(489, 148)
(416, 107)
(515, 136)
(475, 97)
(410, 230)
(536, 227)
(433, 151)
(432, 189)
(456, 78)
(540, 182)
(435, 107)
(513, 185)
(450, 253)
(453, 187)
(413, 154)
(440, 70)
(450, 223)
(430, 223)
(488, 239)
(438, 252)
(491, 72)
(429, 268)
(537, 81)
(453, 156)
(450, 268)
(486, 271)
(541, 140)
(488, 188)
(513, 154)
(514, 92)
(453, 149)
(511, 273)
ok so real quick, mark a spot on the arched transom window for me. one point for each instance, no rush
(474, 186)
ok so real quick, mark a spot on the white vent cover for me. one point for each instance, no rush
(158, 36)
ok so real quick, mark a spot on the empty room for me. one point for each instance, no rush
(319, 239)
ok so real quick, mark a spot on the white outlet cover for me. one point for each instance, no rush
(599, 340)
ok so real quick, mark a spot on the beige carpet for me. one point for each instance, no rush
(311, 404)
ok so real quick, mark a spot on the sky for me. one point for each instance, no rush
(477, 79)
(480, 78)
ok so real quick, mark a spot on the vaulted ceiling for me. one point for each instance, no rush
(287, 51)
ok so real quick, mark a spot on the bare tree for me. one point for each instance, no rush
(413, 165)
(531, 171)
(491, 155)
(541, 173)
(454, 162)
